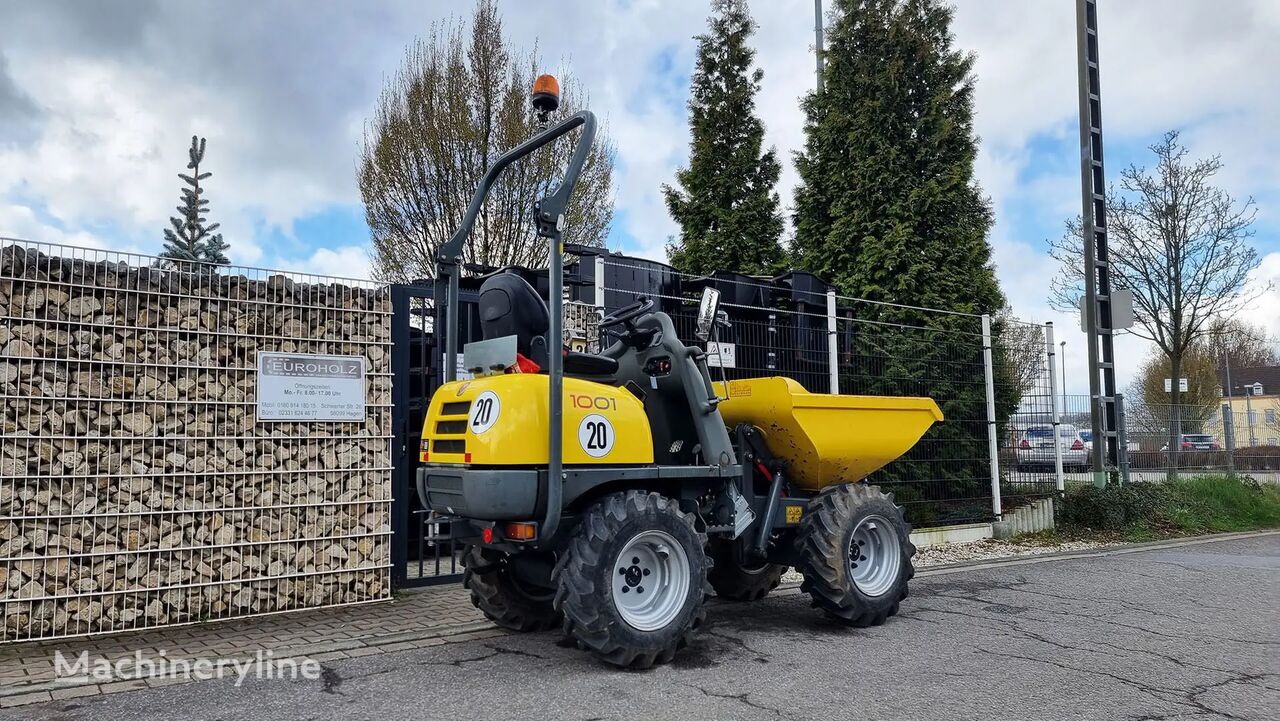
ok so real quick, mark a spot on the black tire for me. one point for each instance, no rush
(503, 598)
(739, 581)
(586, 571)
(823, 541)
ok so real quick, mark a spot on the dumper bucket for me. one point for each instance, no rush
(827, 439)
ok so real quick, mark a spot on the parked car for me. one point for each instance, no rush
(1035, 448)
(1086, 435)
(1196, 442)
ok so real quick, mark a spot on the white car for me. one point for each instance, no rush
(1035, 447)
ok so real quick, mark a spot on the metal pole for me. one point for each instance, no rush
(817, 33)
(1228, 436)
(993, 446)
(1063, 346)
(1122, 439)
(833, 350)
(600, 282)
(1248, 415)
(1097, 281)
(1057, 413)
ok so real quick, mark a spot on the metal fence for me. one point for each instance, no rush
(1240, 436)
(137, 487)
(980, 372)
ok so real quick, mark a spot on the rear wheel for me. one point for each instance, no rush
(855, 553)
(742, 580)
(632, 580)
(498, 590)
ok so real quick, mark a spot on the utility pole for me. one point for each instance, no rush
(1097, 269)
(817, 33)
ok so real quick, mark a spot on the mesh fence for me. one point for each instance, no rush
(1240, 435)
(137, 487)
(833, 343)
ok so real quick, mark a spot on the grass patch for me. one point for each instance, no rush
(1188, 506)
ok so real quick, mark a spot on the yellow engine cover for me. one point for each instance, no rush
(502, 421)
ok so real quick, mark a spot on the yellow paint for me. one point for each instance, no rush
(518, 435)
(827, 439)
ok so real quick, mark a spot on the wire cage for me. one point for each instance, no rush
(137, 486)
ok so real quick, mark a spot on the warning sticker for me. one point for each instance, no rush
(484, 412)
(595, 435)
(794, 514)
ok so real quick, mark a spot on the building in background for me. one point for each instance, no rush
(1254, 398)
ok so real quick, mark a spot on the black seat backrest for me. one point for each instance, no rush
(510, 306)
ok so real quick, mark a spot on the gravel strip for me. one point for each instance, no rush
(985, 550)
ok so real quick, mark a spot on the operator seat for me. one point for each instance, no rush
(510, 306)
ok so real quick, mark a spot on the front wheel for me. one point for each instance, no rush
(632, 579)
(855, 553)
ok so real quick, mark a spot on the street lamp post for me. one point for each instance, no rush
(1063, 355)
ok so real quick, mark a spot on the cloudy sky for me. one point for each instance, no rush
(98, 102)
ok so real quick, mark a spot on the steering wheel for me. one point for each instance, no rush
(626, 315)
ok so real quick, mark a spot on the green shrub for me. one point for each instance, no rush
(1196, 504)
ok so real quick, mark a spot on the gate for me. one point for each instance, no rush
(423, 551)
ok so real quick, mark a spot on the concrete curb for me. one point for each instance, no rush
(975, 565)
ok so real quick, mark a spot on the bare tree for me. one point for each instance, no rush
(1020, 355)
(1201, 399)
(455, 104)
(1242, 344)
(1179, 243)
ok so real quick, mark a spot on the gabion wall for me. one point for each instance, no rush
(136, 487)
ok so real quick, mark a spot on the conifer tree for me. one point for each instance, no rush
(726, 204)
(190, 240)
(888, 210)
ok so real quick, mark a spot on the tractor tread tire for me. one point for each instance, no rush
(492, 591)
(732, 582)
(590, 617)
(823, 542)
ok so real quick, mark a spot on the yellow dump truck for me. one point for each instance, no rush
(609, 494)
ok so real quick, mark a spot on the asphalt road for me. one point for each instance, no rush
(1173, 633)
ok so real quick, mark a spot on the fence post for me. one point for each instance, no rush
(833, 351)
(993, 447)
(1057, 412)
(600, 282)
(1122, 439)
(1229, 436)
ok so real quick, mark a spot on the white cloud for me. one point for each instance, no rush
(112, 94)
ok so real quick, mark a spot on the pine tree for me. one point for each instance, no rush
(190, 240)
(726, 204)
(887, 210)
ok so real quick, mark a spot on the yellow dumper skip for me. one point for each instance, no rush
(827, 439)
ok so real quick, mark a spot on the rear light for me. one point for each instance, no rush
(487, 535)
(466, 457)
(1024, 444)
(520, 531)
(1185, 444)
(1077, 446)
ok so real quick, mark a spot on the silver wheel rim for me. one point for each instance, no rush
(875, 555)
(651, 580)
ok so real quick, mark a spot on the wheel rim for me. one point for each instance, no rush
(651, 580)
(875, 556)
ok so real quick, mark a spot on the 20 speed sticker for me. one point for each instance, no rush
(484, 412)
(595, 435)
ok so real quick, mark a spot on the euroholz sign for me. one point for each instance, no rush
(310, 387)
